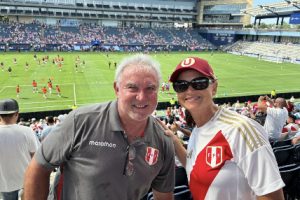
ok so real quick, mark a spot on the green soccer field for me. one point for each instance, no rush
(93, 81)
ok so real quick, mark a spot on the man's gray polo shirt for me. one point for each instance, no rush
(93, 149)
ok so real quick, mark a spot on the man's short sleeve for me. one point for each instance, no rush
(57, 146)
(165, 180)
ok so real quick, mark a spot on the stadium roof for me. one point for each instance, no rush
(272, 10)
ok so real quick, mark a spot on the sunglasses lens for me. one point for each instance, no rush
(200, 84)
(180, 86)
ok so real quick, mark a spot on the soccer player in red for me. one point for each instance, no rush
(18, 91)
(50, 86)
(58, 90)
(34, 86)
(44, 91)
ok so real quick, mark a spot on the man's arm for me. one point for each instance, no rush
(162, 196)
(36, 185)
(277, 195)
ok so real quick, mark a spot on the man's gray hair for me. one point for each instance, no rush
(141, 60)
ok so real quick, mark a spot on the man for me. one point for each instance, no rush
(50, 86)
(9, 69)
(44, 91)
(228, 156)
(34, 86)
(113, 150)
(17, 146)
(109, 64)
(18, 91)
(172, 102)
(48, 128)
(273, 94)
(277, 115)
(58, 91)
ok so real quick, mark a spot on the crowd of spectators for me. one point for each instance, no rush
(37, 36)
(290, 130)
(42, 127)
(178, 117)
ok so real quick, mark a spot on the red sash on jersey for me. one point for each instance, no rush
(208, 164)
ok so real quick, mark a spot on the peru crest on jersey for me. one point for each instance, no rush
(214, 156)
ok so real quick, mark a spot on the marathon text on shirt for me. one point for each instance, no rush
(102, 144)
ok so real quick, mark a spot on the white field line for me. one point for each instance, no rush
(74, 91)
(45, 101)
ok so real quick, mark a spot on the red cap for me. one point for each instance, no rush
(194, 63)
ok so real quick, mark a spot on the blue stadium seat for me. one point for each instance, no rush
(181, 192)
(284, 156)
(291, 176)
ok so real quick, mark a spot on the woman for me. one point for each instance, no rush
(228, 155)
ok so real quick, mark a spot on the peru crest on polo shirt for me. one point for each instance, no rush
(151, 156)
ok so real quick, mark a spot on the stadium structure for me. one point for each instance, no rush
(120, 25)
(156, 25)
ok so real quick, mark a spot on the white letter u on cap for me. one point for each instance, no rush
(187, 62)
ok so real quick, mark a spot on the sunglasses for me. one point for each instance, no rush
(130, 156)
(199, 83)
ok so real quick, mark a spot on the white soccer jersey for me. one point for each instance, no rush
(230, 158)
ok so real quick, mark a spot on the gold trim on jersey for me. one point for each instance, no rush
(248, 132)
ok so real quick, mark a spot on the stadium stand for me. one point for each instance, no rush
(39, 36)
(276, 52)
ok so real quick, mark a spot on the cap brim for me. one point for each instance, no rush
(8, 112)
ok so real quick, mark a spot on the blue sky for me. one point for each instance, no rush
(262, 2)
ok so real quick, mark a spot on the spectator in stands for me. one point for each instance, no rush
(277, 115)
(17, 145)
(257, 114)
(228, 155)
(48, 128)
(291, 128)
(114, 150)
(290, 104)
(177, 129)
